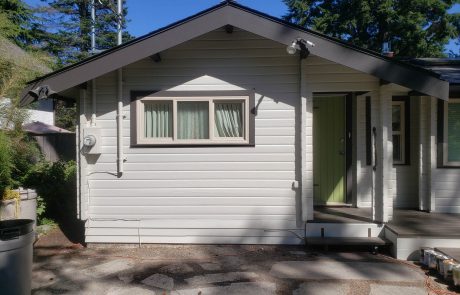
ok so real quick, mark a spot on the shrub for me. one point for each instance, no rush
(24, 156)
(56, 184)
(5, 163)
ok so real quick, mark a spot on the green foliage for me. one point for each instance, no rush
(71, 23)
(66, 115)
(18, 154)
(5, 163)
(41, 213)
(56, 184)
(16, 21)
(25, 155)
(413, 28)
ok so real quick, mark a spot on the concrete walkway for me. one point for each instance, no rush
(64, 268)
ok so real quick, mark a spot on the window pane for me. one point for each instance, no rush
(396, 118)
(453, 132)
(158, 119)
(228, 117)
(397, 148)
(193, 120)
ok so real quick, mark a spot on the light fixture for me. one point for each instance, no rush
(291, 49)
(301, 45)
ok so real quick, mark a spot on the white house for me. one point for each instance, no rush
(211, 131)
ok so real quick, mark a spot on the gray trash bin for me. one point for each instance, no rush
(16, 242)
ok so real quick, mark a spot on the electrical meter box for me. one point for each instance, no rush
(91, 142)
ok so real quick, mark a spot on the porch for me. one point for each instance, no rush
(407, 231)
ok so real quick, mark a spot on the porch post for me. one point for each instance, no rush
(427, 152)
(382, 186)
(306, 145)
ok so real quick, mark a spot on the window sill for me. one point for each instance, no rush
(188, 145)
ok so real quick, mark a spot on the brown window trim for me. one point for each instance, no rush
(212, 93)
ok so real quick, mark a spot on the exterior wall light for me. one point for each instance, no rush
(301, 45)
(291, 49)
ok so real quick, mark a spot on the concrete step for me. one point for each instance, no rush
(374, 241)
(343, 230)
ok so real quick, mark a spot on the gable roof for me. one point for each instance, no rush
(231, 13)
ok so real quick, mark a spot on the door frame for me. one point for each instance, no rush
(349, 135)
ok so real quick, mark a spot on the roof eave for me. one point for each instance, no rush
(247, 19)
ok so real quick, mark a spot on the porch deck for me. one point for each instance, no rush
(407, 223)
(407, 231)
(412, 223)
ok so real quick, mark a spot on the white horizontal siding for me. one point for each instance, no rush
(209, 194)
(326, 76)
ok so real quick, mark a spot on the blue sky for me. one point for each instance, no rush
(148, 15)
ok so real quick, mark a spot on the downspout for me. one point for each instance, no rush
(93, 103)
(119, 101)
(93, 50)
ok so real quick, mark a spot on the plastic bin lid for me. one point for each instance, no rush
(12, 229)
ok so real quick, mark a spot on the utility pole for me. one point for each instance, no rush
(93, 27)
(119, 15)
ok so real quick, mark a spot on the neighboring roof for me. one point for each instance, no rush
(231, 13)
(40, 128)
(447, 68)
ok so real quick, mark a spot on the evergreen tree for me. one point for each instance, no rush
(69, 21)
(17, 23)
(419, 28)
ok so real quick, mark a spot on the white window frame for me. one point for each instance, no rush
(213, 138)
(402, 130)
(445, 135)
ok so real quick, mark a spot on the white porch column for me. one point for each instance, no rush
(427, 148)
(306, 145)
(383, 200)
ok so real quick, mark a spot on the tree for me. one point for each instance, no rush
(413, 28)
(18, 24)
(69, 21)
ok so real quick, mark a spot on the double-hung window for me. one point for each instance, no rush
(451, 151)
(398, 127)
(191, 119)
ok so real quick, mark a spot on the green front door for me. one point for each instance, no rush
(329, 150)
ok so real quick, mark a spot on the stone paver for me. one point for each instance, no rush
(129, 291)
(42, 278)
(300, 253)
(210, 266)
(221, 277)
(252, 288)
(396, 290)
(159, 281)
(177, 268)
(334, 270)
(126, 277)
(108, 268)
(316, 288)
(217, 269)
